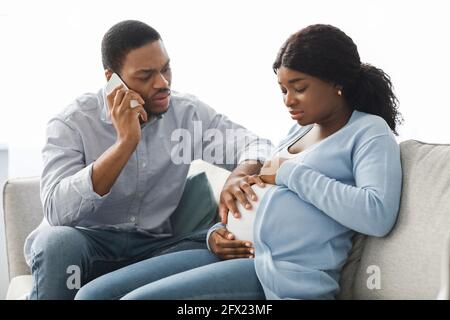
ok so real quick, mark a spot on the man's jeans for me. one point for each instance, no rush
(66, 258)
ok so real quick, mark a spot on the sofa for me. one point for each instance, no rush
(411, 262)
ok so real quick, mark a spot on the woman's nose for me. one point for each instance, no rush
(289, 100)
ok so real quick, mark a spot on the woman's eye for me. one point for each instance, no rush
(301, 90)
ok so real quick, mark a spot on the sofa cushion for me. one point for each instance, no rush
(197, 209)
(216, 175)
(19, 287)
(407, 261)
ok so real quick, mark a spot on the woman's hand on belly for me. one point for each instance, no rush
(222, 243)
(269, 170)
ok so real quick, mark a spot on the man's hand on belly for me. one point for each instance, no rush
(222, 243)
(238, 188)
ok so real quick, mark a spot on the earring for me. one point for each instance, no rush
(339, 93)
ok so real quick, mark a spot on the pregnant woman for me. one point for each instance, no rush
(336, 173)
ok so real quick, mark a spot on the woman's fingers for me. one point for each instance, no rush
(255, 179)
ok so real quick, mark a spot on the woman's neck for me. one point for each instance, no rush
(335, 121)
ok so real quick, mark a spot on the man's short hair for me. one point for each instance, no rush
(122, 38)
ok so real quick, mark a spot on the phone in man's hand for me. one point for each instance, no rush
(113, 83)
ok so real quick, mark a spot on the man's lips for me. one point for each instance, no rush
(161, 96)
(160, 100)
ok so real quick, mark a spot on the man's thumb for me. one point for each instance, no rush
(223, 213)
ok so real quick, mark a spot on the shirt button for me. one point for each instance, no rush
(132, 219)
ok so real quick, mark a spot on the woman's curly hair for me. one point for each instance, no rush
(325, 52)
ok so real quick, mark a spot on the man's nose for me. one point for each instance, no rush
(161, 82)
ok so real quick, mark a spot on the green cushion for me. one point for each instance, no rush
(197, 209)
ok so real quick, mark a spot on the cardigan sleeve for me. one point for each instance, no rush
(369, 207)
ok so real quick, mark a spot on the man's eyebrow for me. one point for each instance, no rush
(293, 80)
(153, 70)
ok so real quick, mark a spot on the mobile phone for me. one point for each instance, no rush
(113, 83)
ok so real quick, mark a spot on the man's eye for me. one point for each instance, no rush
(145, 78)
(166, 69)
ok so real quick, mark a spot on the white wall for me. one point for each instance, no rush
(221, 51)
(3, 262)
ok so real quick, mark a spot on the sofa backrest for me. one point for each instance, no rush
(408, 260)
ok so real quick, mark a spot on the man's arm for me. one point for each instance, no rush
(233, 147)
(126, 122)
(70, 189)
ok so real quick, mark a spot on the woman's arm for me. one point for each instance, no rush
(372, 205)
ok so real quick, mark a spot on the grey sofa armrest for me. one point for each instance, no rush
(23, 212)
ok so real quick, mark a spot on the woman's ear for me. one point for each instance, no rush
(338, 89)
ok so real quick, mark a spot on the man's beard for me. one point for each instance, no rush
(148, 104)
(150, 113)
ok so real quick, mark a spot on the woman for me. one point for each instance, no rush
(338, 171)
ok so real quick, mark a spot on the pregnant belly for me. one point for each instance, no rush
(242, 228)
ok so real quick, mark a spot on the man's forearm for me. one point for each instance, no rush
(108, 166)
(248, 167)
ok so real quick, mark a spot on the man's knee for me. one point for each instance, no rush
(58, 242)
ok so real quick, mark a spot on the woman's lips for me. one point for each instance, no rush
(296, 115)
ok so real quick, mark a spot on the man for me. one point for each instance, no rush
(112, 175)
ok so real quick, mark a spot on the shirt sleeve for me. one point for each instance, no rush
(369, 207)
(226, 143)
(67, 193)
(218, 225)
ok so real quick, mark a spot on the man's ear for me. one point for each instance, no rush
(108, 74)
